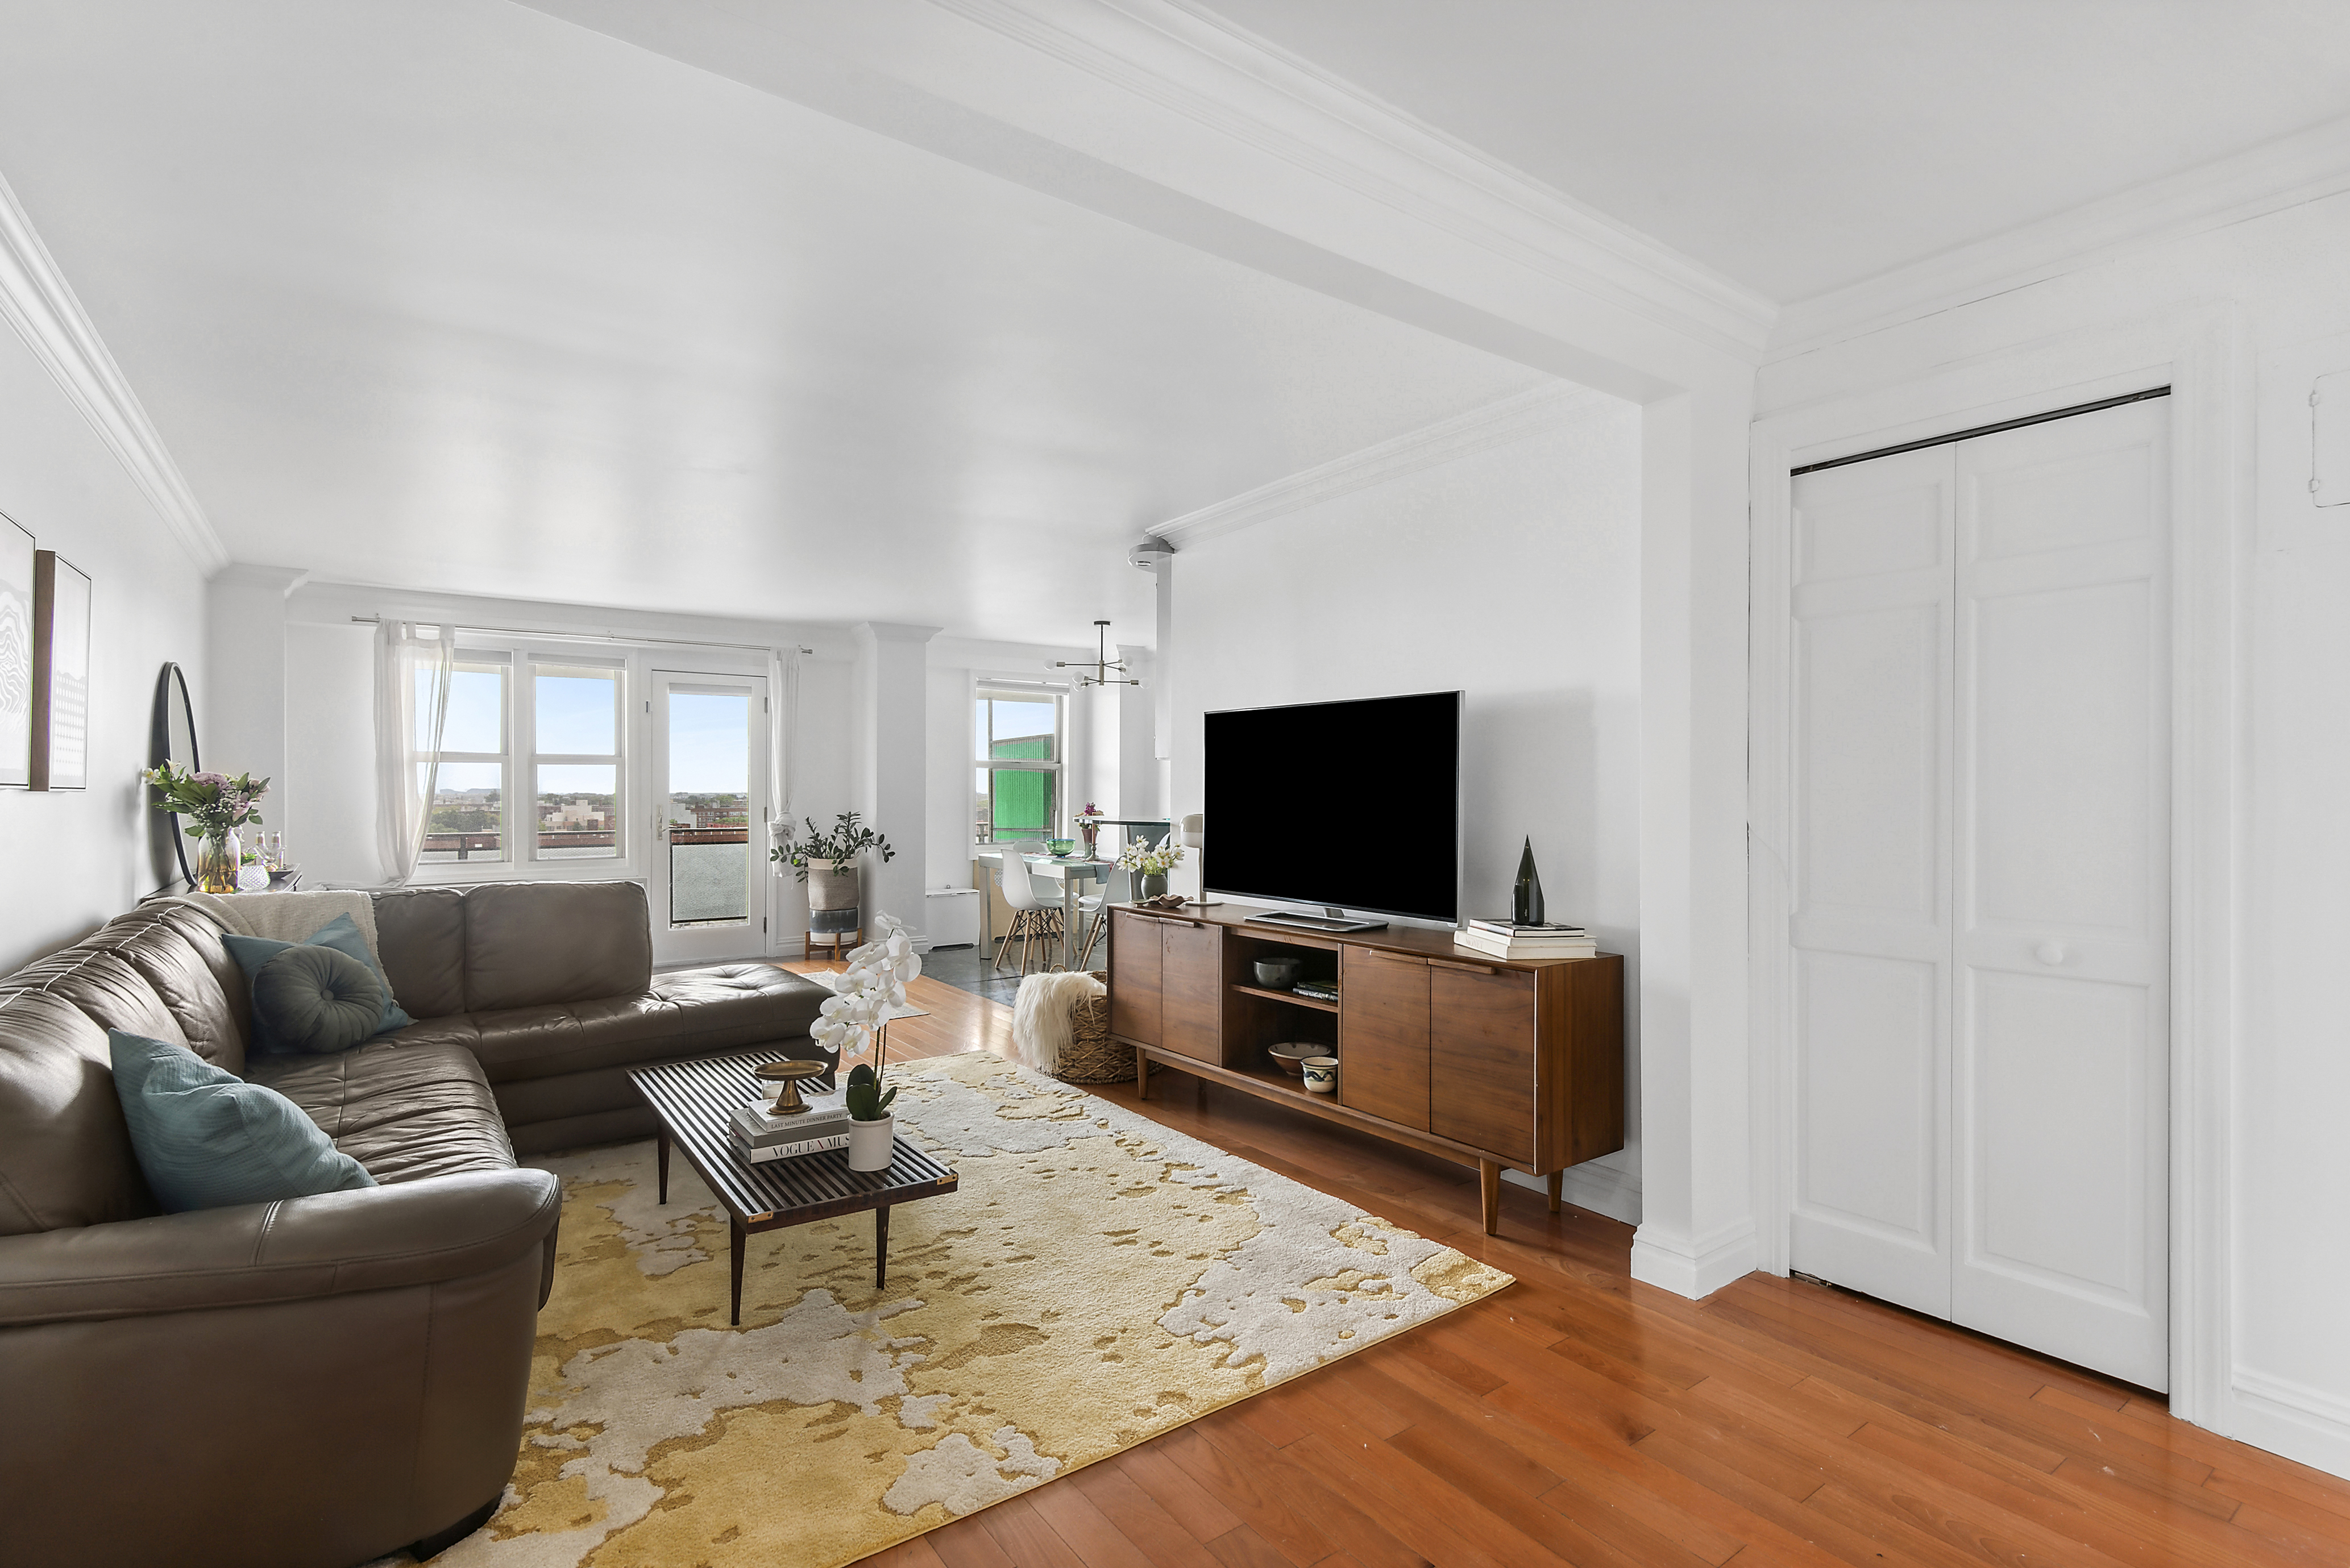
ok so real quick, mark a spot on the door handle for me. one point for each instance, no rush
(2050, 951)
(1472, 968)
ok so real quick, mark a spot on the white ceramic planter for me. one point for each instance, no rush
(869, 1144)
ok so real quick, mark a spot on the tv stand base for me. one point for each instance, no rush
(1299, 920)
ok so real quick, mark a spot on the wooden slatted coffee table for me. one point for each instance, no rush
(693, 1101)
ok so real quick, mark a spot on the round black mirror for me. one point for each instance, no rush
(171, 738)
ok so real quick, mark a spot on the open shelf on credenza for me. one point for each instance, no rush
(1290, 997)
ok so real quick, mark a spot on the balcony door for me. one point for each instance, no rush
(708, 882)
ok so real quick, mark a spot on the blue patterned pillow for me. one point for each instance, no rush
(274, 1034)
(208, 1139)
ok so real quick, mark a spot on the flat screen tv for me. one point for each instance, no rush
(1354, 805)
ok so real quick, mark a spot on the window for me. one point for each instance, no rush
(533, 760)
(1019, 772)
(576, 756)
(467, 820)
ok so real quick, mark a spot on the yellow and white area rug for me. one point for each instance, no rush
(1096, 1280)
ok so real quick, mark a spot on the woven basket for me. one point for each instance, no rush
(1092, 1057)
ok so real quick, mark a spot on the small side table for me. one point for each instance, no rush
(692, 1100)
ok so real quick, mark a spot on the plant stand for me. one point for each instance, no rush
(836, 927)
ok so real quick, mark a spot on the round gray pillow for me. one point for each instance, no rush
(317, 1000)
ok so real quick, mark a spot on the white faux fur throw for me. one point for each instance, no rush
(286, 917)
(1039, 1015)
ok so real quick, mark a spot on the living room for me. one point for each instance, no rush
(711, 411)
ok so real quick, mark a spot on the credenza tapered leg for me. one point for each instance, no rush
(1555, 1177)
(1489, 1194)
(1142, 1074)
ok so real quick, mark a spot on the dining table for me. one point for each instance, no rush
(1070, 870)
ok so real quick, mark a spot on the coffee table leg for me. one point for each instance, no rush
(739, 1237)
(881, 1246)
(660, 1158)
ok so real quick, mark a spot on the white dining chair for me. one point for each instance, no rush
(1093, 911)
(1032, 918)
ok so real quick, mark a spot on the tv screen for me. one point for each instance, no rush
(1351, 804)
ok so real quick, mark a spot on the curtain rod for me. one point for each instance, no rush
(600, 636)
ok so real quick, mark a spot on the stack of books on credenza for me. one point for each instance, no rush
(759, 1135)
(1504, 939)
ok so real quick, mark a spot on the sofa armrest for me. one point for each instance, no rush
(378, 1238)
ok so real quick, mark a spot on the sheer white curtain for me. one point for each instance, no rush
(783, 742)
(412, 701)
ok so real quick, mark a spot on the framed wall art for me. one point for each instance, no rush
(60, 673)
(15, 656)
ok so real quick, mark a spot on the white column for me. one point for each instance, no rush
(1137, 736)
(1697, 1229)
(893, 732)
(242, 729)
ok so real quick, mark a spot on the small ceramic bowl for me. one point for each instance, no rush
(1061, 846)
(1290, 1054)
(1278, 973)
(1321, 1075)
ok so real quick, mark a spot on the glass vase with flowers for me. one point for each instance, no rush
(217, 806)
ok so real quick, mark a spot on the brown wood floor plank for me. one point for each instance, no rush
(1581, 1417)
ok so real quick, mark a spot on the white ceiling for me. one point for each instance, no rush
(448, 293)
(1800, 145)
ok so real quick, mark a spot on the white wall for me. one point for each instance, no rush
(327, 814)
(1513, 574)
(2286, 1369)
(78, 857)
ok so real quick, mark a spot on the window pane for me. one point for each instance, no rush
(1022, 805)
(463, 824)
(477, 709)
(1022, 727)
(576, 711)
(709, 807)
(578, 812)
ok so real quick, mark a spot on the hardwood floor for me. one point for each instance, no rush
(1581, 1418)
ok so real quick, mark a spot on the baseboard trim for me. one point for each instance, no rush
(2301, 1423)
(1602, 1189)
(1694, 1269)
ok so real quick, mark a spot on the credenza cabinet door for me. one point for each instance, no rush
(1383, 1036)
(1193, 988)
(1136, 977)
(1482, 1091)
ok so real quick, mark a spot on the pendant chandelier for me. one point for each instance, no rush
(1104, 670)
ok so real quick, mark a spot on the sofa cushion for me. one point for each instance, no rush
(540, 944)
(294, 1020)
(207, 1139)
(64, 1149)
(403, 1111)
(419, 934)
(691, 1013)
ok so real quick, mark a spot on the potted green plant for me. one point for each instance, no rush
(826, 861)
(216, 805)
(856, 1017)
(1151, 863)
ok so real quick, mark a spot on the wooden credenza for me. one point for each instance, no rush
(1497, 1065)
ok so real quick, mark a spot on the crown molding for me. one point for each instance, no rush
(1522, 414)
(2302, 167)
(1182, 57)
(40, 305)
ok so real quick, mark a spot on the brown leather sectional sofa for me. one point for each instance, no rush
(317, 1382)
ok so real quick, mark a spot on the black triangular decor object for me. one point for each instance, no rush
(1526, 900)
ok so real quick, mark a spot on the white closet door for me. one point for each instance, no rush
(1873, 601)
(2061, 1099)
(1981, 767)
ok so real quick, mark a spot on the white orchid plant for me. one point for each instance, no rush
(1151, 859)
(857, 1013)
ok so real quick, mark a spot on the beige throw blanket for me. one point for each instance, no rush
(286, 917)
(1039, 1015)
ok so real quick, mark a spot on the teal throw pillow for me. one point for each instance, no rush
(208, 1139)
(280, 1033)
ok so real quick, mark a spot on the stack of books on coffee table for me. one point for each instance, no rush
(1505, 940)
(759, 1135)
